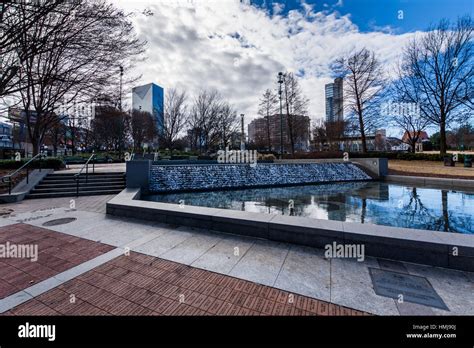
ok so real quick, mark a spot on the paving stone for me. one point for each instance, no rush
(261, 263)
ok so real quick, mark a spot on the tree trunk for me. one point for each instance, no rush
(73, 140)
(36, 147)
(362, 133)
(442, 137)
(268, 134)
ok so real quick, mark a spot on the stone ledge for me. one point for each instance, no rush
(427, 181)
(403, 244)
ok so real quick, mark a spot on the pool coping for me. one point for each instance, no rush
(451, 183)
(440, 249)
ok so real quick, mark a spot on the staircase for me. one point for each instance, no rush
(64, 185)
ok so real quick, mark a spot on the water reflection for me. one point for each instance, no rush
(364, 202)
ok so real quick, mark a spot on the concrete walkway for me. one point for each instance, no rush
(290, 268)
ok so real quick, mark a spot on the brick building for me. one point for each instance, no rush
(264, 133)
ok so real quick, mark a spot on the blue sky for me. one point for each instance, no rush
(376, 15)
(238, 49)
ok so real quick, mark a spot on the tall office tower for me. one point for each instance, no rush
(150, 98)
(334, 101)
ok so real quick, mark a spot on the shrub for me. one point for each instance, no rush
(207, 158)
(268, 157)
(179, 157)
(406, 156)
(52, 163)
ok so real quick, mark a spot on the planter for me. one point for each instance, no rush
(467, 161)
(448, 161)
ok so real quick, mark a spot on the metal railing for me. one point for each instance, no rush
(86, 166)
(8, 178)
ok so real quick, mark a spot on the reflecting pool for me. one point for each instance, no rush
(364, 202)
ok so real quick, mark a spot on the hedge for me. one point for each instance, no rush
(407, 156)
(53, 163)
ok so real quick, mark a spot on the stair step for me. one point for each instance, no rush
(65, 184)
(90, 174)
(84, 179)
(60, 177)
(81, 183)
(81, 189)
(65, 177)
(72, 194)
(73, 182)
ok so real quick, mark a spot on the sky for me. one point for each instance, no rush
(238, 46)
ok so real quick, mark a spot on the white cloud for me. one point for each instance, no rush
(277, 8)
(239, 49)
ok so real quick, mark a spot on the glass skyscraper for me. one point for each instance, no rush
(334, 101)
(150, 98)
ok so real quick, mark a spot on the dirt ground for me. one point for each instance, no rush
(429, 168)
(16, 179)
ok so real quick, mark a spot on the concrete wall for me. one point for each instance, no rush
(138, 174)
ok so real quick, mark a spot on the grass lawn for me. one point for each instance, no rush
(429, 168)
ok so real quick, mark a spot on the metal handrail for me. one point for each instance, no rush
(9, 176)
(86, 166)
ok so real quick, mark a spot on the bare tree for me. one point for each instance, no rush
(56, 134)
(330, 133)
(437, 72)
(203, 120)
(142, 128)
(227, 123)
(406, 116)
(91, 39)
(296, 105)
(364, 83)
(110, 128)
(175, 115)
(17, 18)
(268, 107)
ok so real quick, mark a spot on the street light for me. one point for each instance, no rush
(121, 143)
(242, 137)
(280, 81)
(120, 90)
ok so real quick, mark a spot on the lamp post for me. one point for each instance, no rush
(280, 81)
(242, 137)
(122, 141)
(120, 88)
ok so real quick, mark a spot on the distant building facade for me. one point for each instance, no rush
(263, 129)
(374, 142)
(334, 101)
(20, 136)
(422, 143)
(6, 135)
(150, 98)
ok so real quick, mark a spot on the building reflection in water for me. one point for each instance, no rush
(366, 202)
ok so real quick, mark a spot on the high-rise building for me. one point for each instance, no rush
(334, 101)
(150, 98)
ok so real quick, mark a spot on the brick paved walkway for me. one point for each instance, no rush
(144, 285)
(57, 252)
